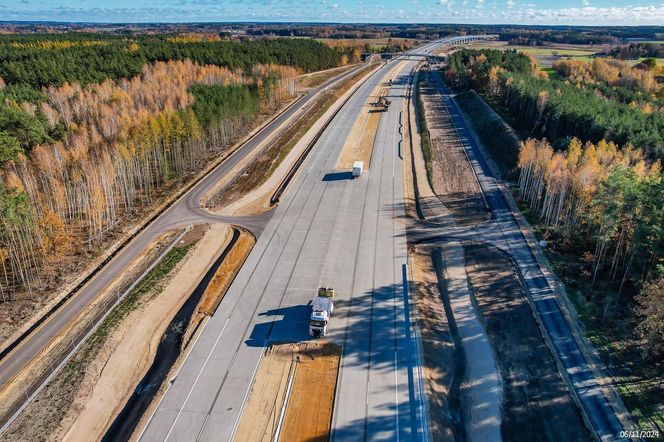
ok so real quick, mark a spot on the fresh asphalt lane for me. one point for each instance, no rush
(328, 230)
(185, 211)
(598, 409)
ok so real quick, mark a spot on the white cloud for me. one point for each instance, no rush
(510, 3)
(585, 2)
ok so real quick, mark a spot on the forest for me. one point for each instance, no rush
(94, 129)
(560, 108)
(597, 186)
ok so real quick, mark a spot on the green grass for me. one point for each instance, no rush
(553, 75)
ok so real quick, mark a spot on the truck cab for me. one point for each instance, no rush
(358, 166)
(318, 324)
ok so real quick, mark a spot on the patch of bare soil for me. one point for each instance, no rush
(443, 368)
(536, 404)
(313, 369)
(454, 181)
(311, 401)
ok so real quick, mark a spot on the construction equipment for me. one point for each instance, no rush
(321, 310)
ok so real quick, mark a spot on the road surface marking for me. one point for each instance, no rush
(191, 390)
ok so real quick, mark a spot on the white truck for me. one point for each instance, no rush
(321, 310)
(357, 169)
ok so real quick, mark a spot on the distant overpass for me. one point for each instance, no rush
(445, 44)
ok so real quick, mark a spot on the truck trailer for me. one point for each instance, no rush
(321, 310)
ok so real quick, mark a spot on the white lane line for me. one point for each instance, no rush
(200, 373)
(396, 392)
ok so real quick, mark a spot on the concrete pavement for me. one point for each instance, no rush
(328, 230)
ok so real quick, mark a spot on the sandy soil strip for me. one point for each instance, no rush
(309, 412)
(137, 339)
(261, 414)
(314, 367)
(359, 144)
(438, 348)
(223, 277)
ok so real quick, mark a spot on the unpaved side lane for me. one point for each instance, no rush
(481, 390)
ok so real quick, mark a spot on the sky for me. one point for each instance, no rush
(583, 12)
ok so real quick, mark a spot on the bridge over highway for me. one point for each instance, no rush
(427, 54)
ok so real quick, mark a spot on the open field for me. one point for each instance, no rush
(536, 403)
(546, 55)
(312, 370)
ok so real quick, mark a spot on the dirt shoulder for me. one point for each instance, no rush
(442, 364)
(311, 368)
(536, 403)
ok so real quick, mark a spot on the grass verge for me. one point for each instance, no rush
(498, 137)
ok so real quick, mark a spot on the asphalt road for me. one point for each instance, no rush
(184, 212)
(328, 230)
(504, 232)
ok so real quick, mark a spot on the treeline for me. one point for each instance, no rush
(556, 110)
(470, 68)
(617, 74)
(635, 51)
(26, 60)
(118, 144)
(611, 201)
(559, 109)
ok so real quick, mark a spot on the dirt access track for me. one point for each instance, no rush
(300, 377)
(359, 144)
